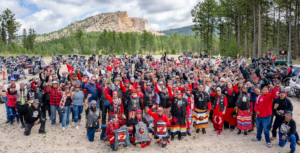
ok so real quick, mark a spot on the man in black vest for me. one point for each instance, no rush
(93, 118)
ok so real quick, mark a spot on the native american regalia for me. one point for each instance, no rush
(244, 121)
(202, 106)
(231, 99)
(110, 129)
(141, 131)
(218, 108)
(116, 106)
(189, 109)
(178, 111)
(165, 101)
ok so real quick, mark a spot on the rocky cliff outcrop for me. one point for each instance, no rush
(117, 21)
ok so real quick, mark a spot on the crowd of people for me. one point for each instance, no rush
(135, 101)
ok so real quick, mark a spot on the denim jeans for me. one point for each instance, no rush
(7, 111)
(263, 123)
(66, 116)
(77, 110)
(91, 133)
(292, 138)
(273, 64)
(53, 109)
(12, 113)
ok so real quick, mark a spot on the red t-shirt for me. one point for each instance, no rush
(11, 100)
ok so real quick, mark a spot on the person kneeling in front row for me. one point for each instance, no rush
(33, 117)
(93, 118)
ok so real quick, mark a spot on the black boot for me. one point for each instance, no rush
(188, 133)
(245, 133)
(251, 130)
(164, 145)
(239, 132)
(203, 131)
(23, 126)
(179, 136)
(198, 130)
(172, 136)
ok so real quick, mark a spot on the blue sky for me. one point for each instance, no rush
(49, 15)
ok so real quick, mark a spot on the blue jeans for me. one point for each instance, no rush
(53, 109)
(12, 113)
(91, 133)
(263, 123)
(77, 110)
(292, 138)
(7, 111)
(66, 116)
(273, 64)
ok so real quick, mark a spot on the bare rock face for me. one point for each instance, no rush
(117, 21)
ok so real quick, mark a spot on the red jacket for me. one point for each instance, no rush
(70, 68)
(158, 118)
(264, 104)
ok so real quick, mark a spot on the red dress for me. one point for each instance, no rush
(218, 116)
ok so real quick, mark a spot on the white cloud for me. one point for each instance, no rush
(14, 6)
(56, 14)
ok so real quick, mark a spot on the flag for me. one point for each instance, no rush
(218, 60)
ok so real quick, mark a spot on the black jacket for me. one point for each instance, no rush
(32, 114)
(284, 104)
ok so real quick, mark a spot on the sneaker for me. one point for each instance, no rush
(52, 125)
(251, 130)
(7, 121)
(298, 143)
(255, 139)
(269, 144)
(18, 122)
(69, 125)
(63, 128)
(292, 151)
(44, 132)
(273, 138)
(245, 133)
(77, 128)
(219, 134)
(215, 131)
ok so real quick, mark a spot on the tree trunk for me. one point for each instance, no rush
(254, 31)
(239, 30)
(259, 30)
(290, 35)
(274, 28)
(278, 28)
(246, 34)
(295, 34)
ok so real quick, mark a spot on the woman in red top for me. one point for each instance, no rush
(116, 105)
(11, 102)
(219, 109)
(159, 116)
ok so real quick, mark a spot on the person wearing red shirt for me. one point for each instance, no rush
(263, 109)
(219, 109)
(11, 102)
(113, 125)
(159, 116)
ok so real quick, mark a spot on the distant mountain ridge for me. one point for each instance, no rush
(181, 31)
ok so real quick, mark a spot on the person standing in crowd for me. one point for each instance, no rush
(280, 106)
(90, 88)
(178, 111)
(149, 94)
(55, 98)
(78, 98)
(219, 108)
(11, 102)
(202, 109)
(33, 116)
(263, 109)
(65, 106)
(93, 118)
(231, 93)
(244, 105)
(22, 97)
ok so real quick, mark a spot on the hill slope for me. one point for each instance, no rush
(181, 31)
(116, 21)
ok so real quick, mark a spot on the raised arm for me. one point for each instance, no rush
(156, 88)
(108, 97)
